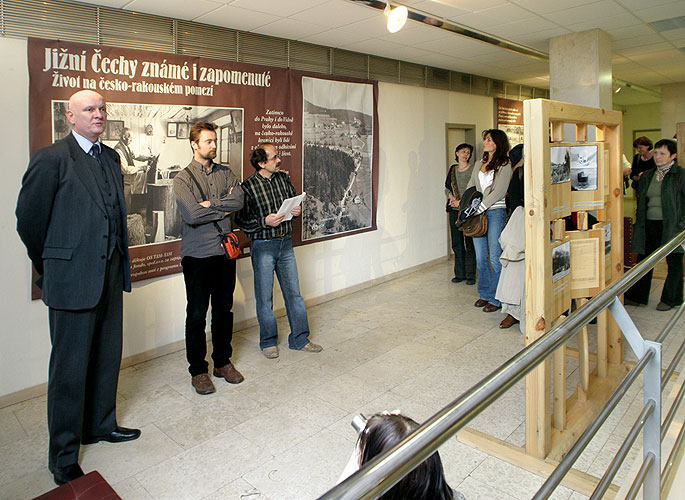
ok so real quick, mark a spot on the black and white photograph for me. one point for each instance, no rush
(337, 150)
(583, 168)
(514, 134)
(151, 158)
(560, 159)
(607, 236)
(561, 261)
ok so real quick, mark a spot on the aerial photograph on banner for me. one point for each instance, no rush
(337, 136)
(153, 143)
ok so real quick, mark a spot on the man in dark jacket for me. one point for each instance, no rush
(660, 217)
(71, 216)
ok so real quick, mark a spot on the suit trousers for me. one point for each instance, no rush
(672, 293)
(84, 369)
(208, 278)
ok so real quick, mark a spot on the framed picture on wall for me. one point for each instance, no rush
(171, 128)
(183, 130)
(113, 130)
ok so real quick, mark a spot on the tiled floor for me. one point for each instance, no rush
(414, 344)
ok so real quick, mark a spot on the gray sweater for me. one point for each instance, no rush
(498, 190)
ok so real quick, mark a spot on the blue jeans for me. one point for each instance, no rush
(277, 255)
(488, 252)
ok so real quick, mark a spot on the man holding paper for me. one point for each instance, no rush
(272, 250)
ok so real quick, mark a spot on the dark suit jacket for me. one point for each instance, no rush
(61, 218)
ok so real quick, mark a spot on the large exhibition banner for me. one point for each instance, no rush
(326, 131)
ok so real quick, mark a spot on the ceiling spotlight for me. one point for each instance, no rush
(396, 17)
(618, 89)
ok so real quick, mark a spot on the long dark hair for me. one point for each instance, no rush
(425, 482)
(500, 156)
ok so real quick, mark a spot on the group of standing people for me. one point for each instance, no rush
(71, 216)
(659, 184)
(492, 176)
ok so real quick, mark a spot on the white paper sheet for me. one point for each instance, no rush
(288, 204)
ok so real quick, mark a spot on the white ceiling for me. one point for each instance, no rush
(641, 54)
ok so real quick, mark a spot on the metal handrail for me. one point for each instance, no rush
(569, 459)
(647, 464)
(621, 454)
(384, 471)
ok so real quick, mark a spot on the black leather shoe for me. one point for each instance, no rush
(63, 475)
(118, 435)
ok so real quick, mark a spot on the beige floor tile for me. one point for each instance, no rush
(215, 414)
(151, 406)
(33, 415)
(459, 460)
(516, 481)
(10, 428)
(348, 392)
(22, 457)
(341, 358)
(401, 363)
(237, 490)
(305, 471)
(131, 489)
(28, 486)
(473, 489)
(284, 384)
(283, 426)
(202, 470)
(119, 461)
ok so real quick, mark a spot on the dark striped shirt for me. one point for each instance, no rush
(263, 197)
(221, 187)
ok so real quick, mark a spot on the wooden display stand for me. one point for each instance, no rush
(591, 179)
(564, 175)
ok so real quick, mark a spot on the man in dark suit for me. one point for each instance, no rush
(71, 216)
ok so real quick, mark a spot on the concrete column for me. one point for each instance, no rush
(672, 109)
(580, 68)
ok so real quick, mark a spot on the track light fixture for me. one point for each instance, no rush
(396, 17)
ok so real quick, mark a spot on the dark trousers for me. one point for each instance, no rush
(464, 253)
(205, 278)
(672, 294)
(84, 370)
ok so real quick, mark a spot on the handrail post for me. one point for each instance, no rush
(651, 488)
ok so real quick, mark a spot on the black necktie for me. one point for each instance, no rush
(95, 151)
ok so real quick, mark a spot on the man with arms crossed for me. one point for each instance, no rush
(206, 193)
(272, 250)
(71, 216)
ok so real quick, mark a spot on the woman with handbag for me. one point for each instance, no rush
(491, 176)
(455, 184)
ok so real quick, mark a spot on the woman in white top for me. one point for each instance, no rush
(491, 176)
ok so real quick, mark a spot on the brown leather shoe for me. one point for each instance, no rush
(480, 303)
(508, 322)
(229, 372)
(489, 308)
(203, 384)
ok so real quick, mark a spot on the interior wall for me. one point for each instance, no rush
(639, 117)
(410, 219)
(672, 108)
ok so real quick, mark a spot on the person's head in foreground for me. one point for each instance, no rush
(425, 482)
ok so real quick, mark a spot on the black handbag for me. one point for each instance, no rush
(469, 221)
